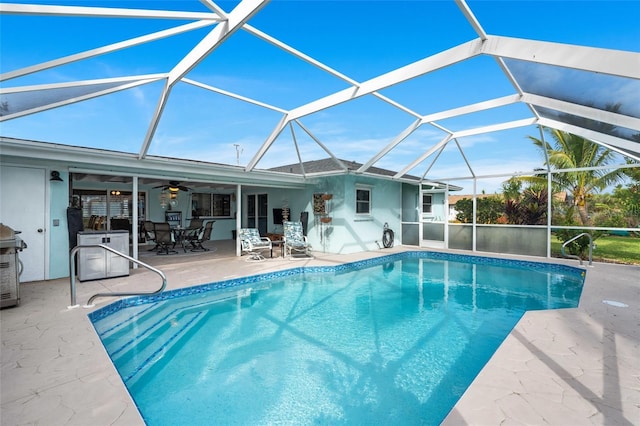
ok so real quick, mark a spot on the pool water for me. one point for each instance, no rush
(395, 340)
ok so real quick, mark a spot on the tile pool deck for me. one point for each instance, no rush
(563, 367)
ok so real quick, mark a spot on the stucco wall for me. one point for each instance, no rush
(349, 232)
(58, 235)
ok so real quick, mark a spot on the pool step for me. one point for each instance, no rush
(139, 358)
(156, 330)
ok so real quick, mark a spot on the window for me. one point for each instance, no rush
(426, 203)
(216, 205)
(101, 204)
(363, 200)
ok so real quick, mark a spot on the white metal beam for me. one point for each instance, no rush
(591, 113)
(605, 61)
(151, 130)
(81, 83)
(241, 14)
(496, 127)
(471, 108)
(416, 69)
(298, 54)
(238, 17)
(233, 95)
(215, 8)
(402, 136)
(433, 161)
(128, 83)
(295, 143)
(101, 12)
(323, 146)
(104, 50)
(471, 18)
(464, 157)
(295, 52)
(267, 144)
(420, 159)
(622, 146)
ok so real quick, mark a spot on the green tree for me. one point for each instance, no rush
(529, 208)
(568, 151)
(488, 209)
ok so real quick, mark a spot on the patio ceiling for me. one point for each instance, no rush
(233, 83)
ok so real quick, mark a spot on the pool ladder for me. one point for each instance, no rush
(573, 256)
(72, 269)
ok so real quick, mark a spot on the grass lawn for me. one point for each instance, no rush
(612, 249)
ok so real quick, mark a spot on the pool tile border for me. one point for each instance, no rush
(346, 267)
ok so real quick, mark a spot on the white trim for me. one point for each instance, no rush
(369, 189)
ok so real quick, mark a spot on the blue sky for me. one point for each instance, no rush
(361, 39)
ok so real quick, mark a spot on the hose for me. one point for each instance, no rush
(387, 236)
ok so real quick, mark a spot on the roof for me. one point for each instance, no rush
(403, 86)
(453, 199)
(326, 165)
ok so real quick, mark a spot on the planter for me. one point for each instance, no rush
(325, 219)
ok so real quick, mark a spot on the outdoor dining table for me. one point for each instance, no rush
(182, 236)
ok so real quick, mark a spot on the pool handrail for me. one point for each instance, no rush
(573, 256)
(72, 269)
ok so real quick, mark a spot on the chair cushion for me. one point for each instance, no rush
(293, 234)
(253, 237)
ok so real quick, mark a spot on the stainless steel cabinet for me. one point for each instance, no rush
(97, 263)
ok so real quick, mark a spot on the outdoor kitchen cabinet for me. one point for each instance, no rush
(96, 263)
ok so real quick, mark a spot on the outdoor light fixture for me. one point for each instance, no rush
(163, 200)
(115, 192)
(55, 176)
(173, 197)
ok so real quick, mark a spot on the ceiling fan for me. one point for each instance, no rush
(173, 187)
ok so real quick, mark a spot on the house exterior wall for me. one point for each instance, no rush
(58, 235)
(57, 201)
(349, 232)
(437, 213)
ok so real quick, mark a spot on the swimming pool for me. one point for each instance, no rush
(393, 340)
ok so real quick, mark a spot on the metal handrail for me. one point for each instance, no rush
(72, 268)
(573, 256)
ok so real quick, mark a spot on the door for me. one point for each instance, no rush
(434, 219)
(257, 208)
(22, 208)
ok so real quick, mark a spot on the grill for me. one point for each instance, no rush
(10, 266)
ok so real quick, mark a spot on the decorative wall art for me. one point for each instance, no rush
(319, 205)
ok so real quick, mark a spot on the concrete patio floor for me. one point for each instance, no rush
(562, 367)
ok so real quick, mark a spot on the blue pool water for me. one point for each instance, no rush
(395, 340)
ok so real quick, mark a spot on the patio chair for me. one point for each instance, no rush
(164, 238)
(150, 233)
(196, 223)
(296, 244)
(193, 233)
(253, 244)
(204, 234)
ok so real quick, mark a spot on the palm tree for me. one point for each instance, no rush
(569, 151)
